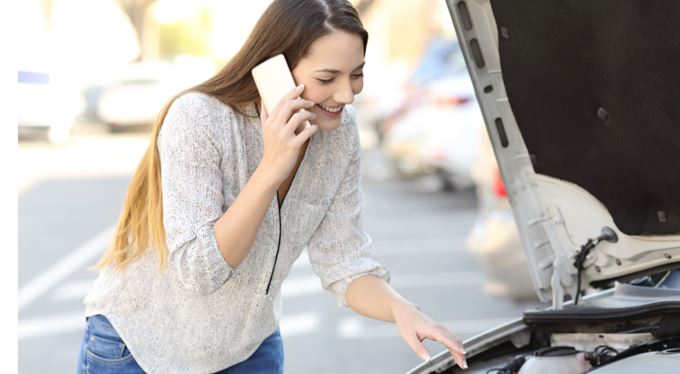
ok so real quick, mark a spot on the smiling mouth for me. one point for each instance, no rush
(331, 110)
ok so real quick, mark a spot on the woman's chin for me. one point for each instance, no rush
(328, 125)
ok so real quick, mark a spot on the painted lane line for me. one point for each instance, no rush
(299, 324)
(291, 287)
(53, 325)
(443, 279)
(301, 286)
(310, 285)
(291, 325)
(302, 261)
(73, 290)
(74, 261)
(419, 245)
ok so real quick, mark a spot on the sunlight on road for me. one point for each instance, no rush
(85, 155)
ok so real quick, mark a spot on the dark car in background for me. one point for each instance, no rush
(580, 103)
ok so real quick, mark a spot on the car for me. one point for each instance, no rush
(494, 240)
(47, 104)
(435, 130)
(135, 95)
(579, 100)
(137, 91)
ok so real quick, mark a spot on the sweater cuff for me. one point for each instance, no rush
(340, 287)
(217, 270)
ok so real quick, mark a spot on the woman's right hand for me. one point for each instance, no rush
(281, 144)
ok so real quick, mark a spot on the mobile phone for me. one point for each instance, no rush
(274, 80)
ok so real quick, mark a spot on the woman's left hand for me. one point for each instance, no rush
(414, 327)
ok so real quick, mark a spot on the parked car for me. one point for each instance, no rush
(582, 119)
(46, 106)
(494, 239)
(435, 130)
(138, 91)
(135, 95)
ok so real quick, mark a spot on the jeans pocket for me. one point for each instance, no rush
(107, 350)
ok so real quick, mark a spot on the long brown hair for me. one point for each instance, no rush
(286, 27)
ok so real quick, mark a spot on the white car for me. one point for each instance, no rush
(580, 102)
(437, 128)
(137, 91)
(135, 95)
(46, 105)
(494, 240)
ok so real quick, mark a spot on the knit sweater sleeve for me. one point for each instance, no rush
(340, 249)
(192, 183)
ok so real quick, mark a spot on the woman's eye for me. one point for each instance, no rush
(325, 81)
(357, 76)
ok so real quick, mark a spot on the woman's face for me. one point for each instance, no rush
(332, 72)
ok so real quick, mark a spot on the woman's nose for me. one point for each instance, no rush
(345, 95)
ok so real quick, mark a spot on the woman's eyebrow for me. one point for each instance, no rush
(336, 71)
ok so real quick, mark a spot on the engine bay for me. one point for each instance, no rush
(631, 328)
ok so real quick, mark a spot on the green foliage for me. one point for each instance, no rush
(191, 35)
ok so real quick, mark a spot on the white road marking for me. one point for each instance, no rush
(52, 325)
(445, 279)
(291, 325)
(301, 286)
(302, 261)
(73, 290)
(358, 328)
(397, 247)
(74, 261)
(291, 287)
(419, 246)
(299, 324)
(309, 285)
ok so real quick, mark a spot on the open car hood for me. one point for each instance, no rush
(581, 100)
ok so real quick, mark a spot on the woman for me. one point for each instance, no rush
(225, 199)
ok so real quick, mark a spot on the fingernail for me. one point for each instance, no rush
(426, 357)
(465, 366)
(300, 86)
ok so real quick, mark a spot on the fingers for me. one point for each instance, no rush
(290, 104)
(414, 342)
(290, 107)
(297, 119)
(292, 94)
(305, 134)
(446, 338)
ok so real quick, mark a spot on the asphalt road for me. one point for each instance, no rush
(69, 200)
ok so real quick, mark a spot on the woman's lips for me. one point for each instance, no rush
(329, 113)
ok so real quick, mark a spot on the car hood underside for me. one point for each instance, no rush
(594, 87)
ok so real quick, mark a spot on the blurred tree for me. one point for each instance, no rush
(362, 6)
(190, 35)
(137, 11)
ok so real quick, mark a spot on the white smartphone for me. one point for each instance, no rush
(274, 80)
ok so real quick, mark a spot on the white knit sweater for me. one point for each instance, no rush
(200, 315)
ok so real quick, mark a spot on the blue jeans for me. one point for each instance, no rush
(103, 351)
